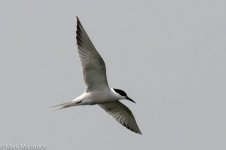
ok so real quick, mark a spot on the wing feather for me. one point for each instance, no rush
(94, 69)
(122, 114)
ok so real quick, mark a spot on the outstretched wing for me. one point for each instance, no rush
(94, 70)
(122, 114)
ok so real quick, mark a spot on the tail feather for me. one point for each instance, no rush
(63, 105)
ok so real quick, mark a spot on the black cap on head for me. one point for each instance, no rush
(122, 93)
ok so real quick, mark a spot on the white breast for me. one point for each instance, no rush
(99, 97)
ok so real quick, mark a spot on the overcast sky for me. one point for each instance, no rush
(169, 56)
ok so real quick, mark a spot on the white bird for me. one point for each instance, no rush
(97, 89)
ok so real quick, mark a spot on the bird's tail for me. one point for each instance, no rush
(63, 105)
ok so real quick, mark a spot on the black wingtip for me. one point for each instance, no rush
(78, 21)
(78, 24)
(79, 42)
(140, 133)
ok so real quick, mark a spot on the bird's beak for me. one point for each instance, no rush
(130, 99)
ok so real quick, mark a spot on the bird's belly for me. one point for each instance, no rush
(99, 98)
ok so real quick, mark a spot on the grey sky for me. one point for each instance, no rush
(169, 56)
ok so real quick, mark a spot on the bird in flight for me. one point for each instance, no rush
(97, 89)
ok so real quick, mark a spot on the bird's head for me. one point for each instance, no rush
(123, 95)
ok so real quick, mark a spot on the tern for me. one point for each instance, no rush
(97, 89)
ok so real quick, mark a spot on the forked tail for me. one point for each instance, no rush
(64, 105)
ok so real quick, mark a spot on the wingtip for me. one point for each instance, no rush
(140, 133)
(77, 19)
(78, 23)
